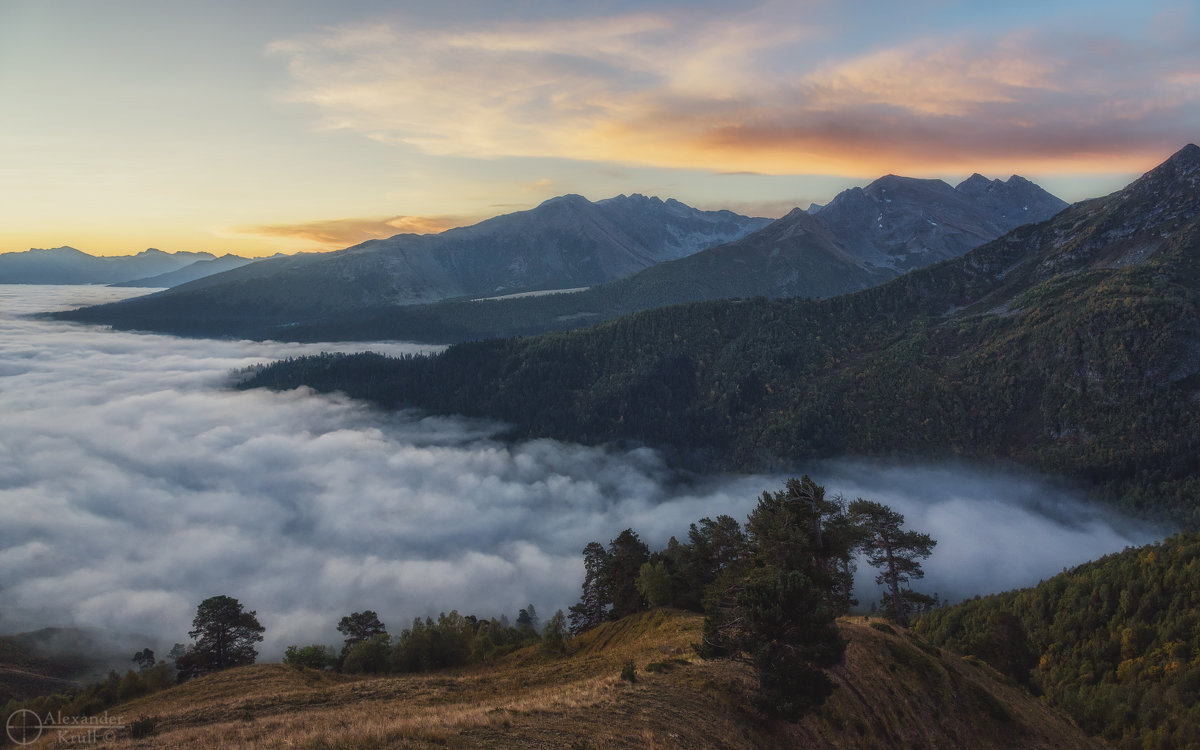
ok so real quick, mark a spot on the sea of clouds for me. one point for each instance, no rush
(134, 483)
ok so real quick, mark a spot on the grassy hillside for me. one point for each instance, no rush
(43, 661)
(24, 673)
(894, 692)
(1115, 642)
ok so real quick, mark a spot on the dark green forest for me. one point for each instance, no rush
(1071, 346)
(1115, 642)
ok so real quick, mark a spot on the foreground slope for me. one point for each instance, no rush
(1115, 642)
(894, 692)
(1072, 346)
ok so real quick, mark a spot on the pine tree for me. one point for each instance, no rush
(144, 659)
(592, 608)
(224, 636)
(528, 622)
(626, 555)
(554, 636)
(360, 626)
(896, 553)
(778, 603)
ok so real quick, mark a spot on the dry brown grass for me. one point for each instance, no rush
(892, 694)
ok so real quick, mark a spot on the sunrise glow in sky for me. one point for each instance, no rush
(284, 125)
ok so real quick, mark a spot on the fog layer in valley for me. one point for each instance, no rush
(134, 484)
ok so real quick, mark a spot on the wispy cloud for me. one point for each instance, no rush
(338, 233)
(710, 91)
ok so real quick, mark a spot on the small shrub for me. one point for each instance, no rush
(312, 657)
(666, 665)
(371, 656)
(143, 726)
(629, 671)
(884, 628)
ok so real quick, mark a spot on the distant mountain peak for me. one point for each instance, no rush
(637, 199)
(1190, 152)
(901, 223)
(1185, 161)
(1174, 181)
(567, 199)
(898, 182)
(972, 183)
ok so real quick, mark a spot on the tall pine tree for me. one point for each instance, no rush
(592, 608)
(778, 602)
(896, 553)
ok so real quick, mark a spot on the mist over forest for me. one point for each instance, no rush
(134, 483)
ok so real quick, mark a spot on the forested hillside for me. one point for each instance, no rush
(1072, 346)
(1115, 642)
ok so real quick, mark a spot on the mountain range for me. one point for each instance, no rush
(150, 268)
(66, 265)
(633, 253)
(191, 272)
(565, 242)
(1071, 345)
(863, 237)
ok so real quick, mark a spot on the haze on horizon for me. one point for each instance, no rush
(299, 125)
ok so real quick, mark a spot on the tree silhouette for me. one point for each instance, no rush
(626, 555)
(895, 552)
(144, 659)
(778, 602)
(223, 636)
(360, 626)
(592, 608)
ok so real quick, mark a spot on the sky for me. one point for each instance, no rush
(268, 126)
(306, 507)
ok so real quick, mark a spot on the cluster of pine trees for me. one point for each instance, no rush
(452, 640)
(770, 590)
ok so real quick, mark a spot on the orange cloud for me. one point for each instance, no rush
(338, 233)
(706, 93)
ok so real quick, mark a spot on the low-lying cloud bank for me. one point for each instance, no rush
(134, 484)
